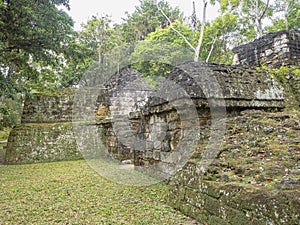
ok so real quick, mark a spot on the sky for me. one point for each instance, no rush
(82, 10)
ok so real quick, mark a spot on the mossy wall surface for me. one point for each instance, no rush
(41, 142)
(48, 108)
(254, 179)
(46, 133)
(2, 151)
(289, 77)
(241, 88)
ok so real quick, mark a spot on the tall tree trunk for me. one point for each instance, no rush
(198, 47)
(259, 15)
(194, 18)
(211, 50)
(175, 30)
(286, 14)
(259, 27)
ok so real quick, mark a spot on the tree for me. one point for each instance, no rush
(287, 15)
(146, 18)
(34, 34)
(34, 41)
(196, 48)
(259, 11)
(163, 45)
(251, 14)
(98, 36)
(163, 49)
(219, 36)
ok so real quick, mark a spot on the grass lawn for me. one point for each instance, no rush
(72, 193)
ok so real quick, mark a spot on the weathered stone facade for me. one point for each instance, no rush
(253, 180)
(45, 134)
(274, 50)
(255, 176)
(124, 93)
(48, 108)
(242, 88)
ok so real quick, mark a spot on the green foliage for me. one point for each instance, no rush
(39, 52)
(4, 133)
(162, 50)
(287, 15)
(168, 35)
(146, 19)
(218, 37)
(33, 39)
(99, 38)
(251, 15)
(10, 113)
(34, 49)
(283, 73)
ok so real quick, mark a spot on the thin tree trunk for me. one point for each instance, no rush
(257, 21)
(100, 55)
(11, 70)
(198, 48)
(259, 17)
(259, 27)
(211, 49)
(286, 13)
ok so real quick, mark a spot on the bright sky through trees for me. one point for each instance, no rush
(81, 10)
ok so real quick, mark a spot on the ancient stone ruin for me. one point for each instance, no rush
(252, 178)
(273, 50)
(45, 133)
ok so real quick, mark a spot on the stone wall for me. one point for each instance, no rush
(48, 108)
(254, 179)
(45, 134)
(124, 93)
(274, 50)
(242, 88)
(41, 142)
(2, 151)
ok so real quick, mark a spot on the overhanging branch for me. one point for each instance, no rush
(175, 30)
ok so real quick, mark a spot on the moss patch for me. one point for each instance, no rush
(31, 143)
(254, 180)
(260, 149)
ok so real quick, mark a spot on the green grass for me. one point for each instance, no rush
(72, 193)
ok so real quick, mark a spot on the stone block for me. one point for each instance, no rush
(32, 143)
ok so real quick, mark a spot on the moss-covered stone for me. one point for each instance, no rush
(254, 179)
(289, 77)
(31, 143)
(2, 151)
(48, 108)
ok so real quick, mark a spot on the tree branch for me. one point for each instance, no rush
(175, 30)
(211, 49)
(265, 10)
